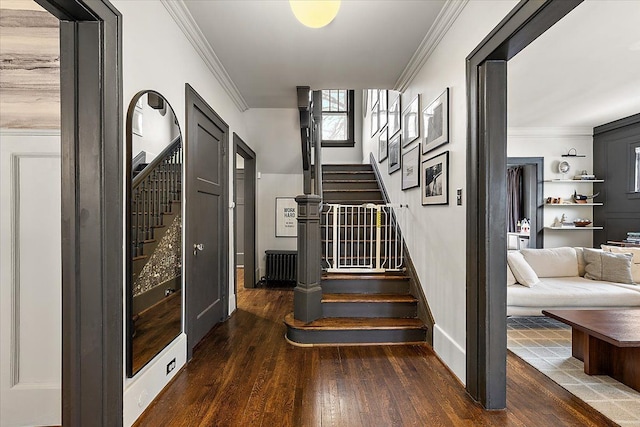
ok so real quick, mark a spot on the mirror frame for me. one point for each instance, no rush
(128, 180)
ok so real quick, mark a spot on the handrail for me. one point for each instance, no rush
(158, 160)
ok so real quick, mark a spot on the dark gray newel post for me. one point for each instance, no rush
(308, 293)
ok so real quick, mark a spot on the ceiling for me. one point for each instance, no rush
(583, 72)
(267, 52)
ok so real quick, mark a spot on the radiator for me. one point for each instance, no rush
(281, 268)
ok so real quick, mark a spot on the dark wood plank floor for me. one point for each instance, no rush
(245, 374)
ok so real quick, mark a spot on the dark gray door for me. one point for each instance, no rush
(240, 217)
(207, 231)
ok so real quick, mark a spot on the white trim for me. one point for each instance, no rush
(549, 132)
(441, 25)
(29, 132)
(181, 15)
(450, 352)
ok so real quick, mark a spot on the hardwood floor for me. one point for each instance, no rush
(245, 374)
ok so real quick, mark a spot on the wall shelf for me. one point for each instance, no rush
(574, 228)
(582, 181)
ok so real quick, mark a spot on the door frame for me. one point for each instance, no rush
(195, 101)
(486, 344)
(92, 207)
(537, 205)
(249, 156)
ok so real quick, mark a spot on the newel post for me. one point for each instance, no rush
(308, 293)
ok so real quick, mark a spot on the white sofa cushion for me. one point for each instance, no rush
(581, 263)
(572, 292)
(522, 271)
(553, 262)
(608, 266)
(635, 263)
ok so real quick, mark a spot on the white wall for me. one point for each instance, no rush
(551, 143)
(164, 61)
(436, 235)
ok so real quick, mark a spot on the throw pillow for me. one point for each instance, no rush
(522, 271)
(554, 262)
(607, 266)
(635, 262)
(511, 279)
(580, 256)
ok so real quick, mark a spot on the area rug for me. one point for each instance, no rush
(545, 344)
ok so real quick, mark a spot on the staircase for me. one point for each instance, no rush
(358, 308)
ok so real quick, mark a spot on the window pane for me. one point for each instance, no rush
(326, 98)
(334, 127)
(342, 100)
(334, 100)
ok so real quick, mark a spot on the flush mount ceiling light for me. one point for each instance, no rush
(315, 13)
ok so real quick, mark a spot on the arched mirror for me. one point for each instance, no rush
(153, 228)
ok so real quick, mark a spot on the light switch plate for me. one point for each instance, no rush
(459, 196)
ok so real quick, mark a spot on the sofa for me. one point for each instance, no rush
(572, 278)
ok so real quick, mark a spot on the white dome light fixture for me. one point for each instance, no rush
(315, 13)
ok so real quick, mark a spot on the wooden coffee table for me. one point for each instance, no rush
(607, 341)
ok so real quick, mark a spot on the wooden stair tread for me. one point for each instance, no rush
(139, 257)
(351, 323)
(368, 298)
(347, 171)
(351, 190)
(349, 181)
(356, 276)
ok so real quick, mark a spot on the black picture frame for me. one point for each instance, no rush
(411, 122)
(435, 123)
(383, 108)
(383, 145)
(374, 98)
(411, 168)
(375, 123)
(394, 153)
(435, 180)
(394, 103)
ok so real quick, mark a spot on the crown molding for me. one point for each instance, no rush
(181, 15)
(549, 132)
(441, 25)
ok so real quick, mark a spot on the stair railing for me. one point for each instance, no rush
(153, 192)
(362, 238)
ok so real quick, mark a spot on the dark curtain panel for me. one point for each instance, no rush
(514, 197)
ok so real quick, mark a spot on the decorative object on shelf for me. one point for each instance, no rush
(564, 168)
(435, 122)
(581, 198)
(435, 180)
(286, 217)
(554, 200)
(573, 153)
(584, 176)
(383, 148)
(411, 168)
(394, 112)
(394, 153)
(525, 227)
(581, 222)
(411, 122)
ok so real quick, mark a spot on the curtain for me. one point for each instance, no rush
(514, 197)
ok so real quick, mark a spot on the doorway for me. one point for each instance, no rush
(486, 346)
(207, 220)
(529, 195)
(244, 185)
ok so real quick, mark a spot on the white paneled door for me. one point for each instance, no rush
(30, 278)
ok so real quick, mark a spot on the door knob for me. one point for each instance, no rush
(197, 247)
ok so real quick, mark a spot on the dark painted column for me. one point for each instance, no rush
(308, 293)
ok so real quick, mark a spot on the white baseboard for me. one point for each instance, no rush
(451, 353)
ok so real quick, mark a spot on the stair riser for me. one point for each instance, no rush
(373, 195)
(374, 309)
(349, 176)
(365, 286)
(358, 185)
(354, 167)
(358, 336)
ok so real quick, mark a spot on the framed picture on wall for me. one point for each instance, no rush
(383, 148)
(136, 122)
(394, 112)
(435, 122)
(394, 153)
(411, 122)
(374, 120)
(286, 217)
(373, 94)
(383, 108)
(411, 168)
(435, 180)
